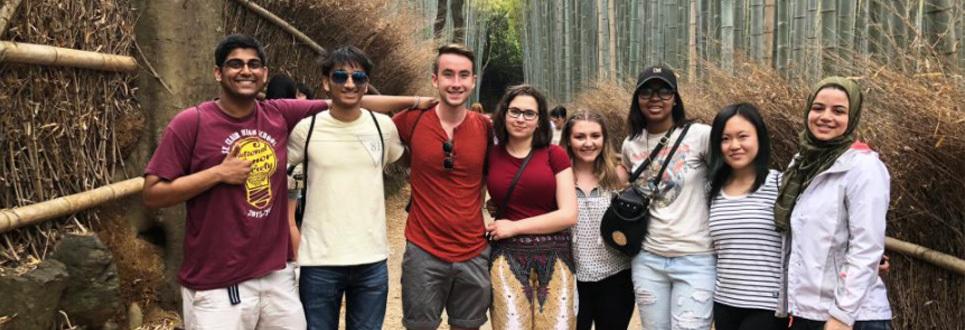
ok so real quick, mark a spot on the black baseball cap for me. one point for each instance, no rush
(661, 72)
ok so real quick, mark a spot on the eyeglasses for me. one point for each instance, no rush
(238, 64)
(527, 114)
(663, 93)
(341, 77)
(447, 148)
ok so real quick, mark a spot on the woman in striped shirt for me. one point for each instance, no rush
(742, 197)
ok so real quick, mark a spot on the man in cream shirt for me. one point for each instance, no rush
(343, 248)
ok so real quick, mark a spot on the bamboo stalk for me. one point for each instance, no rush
(17, 52)
(274, 19)
(936, 258)
(11, 219)
(6, 14)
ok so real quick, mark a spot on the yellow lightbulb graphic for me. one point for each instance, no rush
(263, 165)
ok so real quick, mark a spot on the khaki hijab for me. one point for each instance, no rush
(815, 156)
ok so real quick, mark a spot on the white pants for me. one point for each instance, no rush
(267, 302)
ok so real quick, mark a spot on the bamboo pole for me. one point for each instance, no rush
(274, 19)
(936, 258)
(14, 218)
(24, 53)
(6, 14)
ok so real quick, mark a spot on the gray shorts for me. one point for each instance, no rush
(430, 284)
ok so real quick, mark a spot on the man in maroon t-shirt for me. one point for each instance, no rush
(446, 261)
(225, 158)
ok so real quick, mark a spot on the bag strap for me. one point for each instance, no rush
(381, 141)
(304, 193)
(197, 128)
(512, 185)
(646, 163)
(414, 125)
(666, 160)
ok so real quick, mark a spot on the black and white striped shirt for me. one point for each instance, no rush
(748, 248)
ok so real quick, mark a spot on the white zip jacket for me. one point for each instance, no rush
(837, 239)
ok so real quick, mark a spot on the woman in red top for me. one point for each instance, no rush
(532, 265)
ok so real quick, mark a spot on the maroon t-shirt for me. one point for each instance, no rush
(233, 233)
(535, 192)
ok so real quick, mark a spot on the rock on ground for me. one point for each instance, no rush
(31, 299)
(92, 297)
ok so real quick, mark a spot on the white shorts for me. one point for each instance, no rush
(267, 302)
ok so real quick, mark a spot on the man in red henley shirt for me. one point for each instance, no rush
(446, 261)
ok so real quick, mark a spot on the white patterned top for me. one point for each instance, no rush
(595, 260)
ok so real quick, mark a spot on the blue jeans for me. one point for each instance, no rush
(676, 292)
(366, 289)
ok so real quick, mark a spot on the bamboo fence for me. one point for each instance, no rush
(64, 129)
(26, 53)
(281, 23)
(386, 33)
(11, 219)
(6, 14)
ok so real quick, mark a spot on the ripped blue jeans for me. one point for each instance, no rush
(674, 293)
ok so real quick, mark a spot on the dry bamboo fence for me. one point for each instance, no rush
(281, 23)
(25, 53)
(937, 258)
(402, 58)
(63, 130)
(6, 14)
(63, 206)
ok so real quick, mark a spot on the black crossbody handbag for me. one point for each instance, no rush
(625, 222)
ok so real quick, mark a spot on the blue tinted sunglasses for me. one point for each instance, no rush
(341, 77)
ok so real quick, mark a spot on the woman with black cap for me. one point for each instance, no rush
(674, 273)
(833, 201)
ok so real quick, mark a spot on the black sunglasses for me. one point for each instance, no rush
(239, 64)
(447, 148)
(663, 93)
(341, 77)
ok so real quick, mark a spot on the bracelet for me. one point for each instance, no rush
(416, 104)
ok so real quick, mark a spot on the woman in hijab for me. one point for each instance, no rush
(833, 201)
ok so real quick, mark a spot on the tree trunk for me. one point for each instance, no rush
(612, 34)
(458, 21)
(692, 44)
(767, 49)
(439, 26)
(828, 24)
(727, 35)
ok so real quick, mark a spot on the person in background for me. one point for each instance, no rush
(557, 118)
(833, 200)
(674, 273)
(604, 284)
(532, 189)
(477, 108)
(304, 92)
(280, 86)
